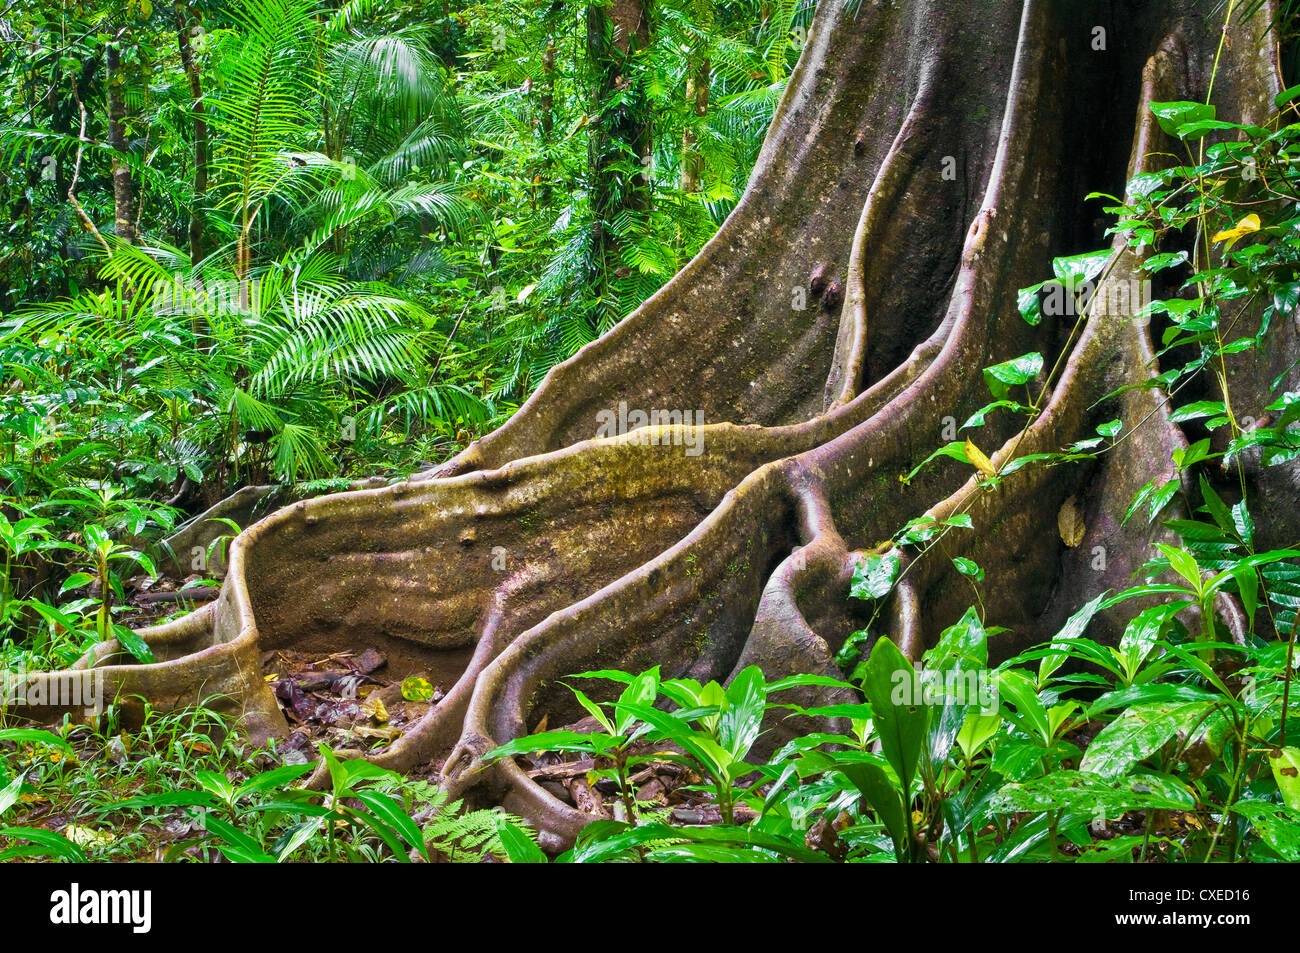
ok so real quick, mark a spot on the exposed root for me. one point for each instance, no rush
(708, 543)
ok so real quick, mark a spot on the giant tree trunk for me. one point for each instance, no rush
(730, 540)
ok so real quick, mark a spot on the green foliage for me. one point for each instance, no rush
(187, 777)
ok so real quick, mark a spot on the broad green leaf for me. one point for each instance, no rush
(1277, 827)
(9, 795)
(554, 741)
(1217, 508)
(1174, 115)
(76, 581)
(217, 784)
(1285, 763)
(238, 847)
(742, 717)
(1138, 733)
(1076, 269)
(50, 842)
(1000, 378)
(641, 691)
(273, 779)
(894, 691)
(137, 646)
(293, 838)
(1074, 627)
(387, 809)
(611, 839)
(35, 736)
(1149, 694)
(671, 727)
(611, 674)
(594, 710)
(882, 794)
(976, 731)
(520, 848)
(1141, 633)
(1248, 589)
(874, 575)
(1196, 411)
(1091, 794)
(978, 419)
(1027, 710)
(956, 670)
(1183, 563)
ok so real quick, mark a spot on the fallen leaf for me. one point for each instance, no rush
(383, 734)
(87, 836)
(416, 689)
(374, 707)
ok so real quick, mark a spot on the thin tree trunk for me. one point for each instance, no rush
(621, 136)
(546, 121)
(548, 91)
(124, 191)
(697, 98)
(198, 216)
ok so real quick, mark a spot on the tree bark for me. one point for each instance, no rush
(697, 98)
(819, 340)
(199, 112)
(621, 134)
(124, 191)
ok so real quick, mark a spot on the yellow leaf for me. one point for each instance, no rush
(981, 463)
(1247, 225)
(1069, 523)
(379, 734)
(86, 836)
(416, 689)
(374, 707)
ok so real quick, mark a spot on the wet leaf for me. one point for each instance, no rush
(1285, 763)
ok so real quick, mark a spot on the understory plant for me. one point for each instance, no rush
(193, 792)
